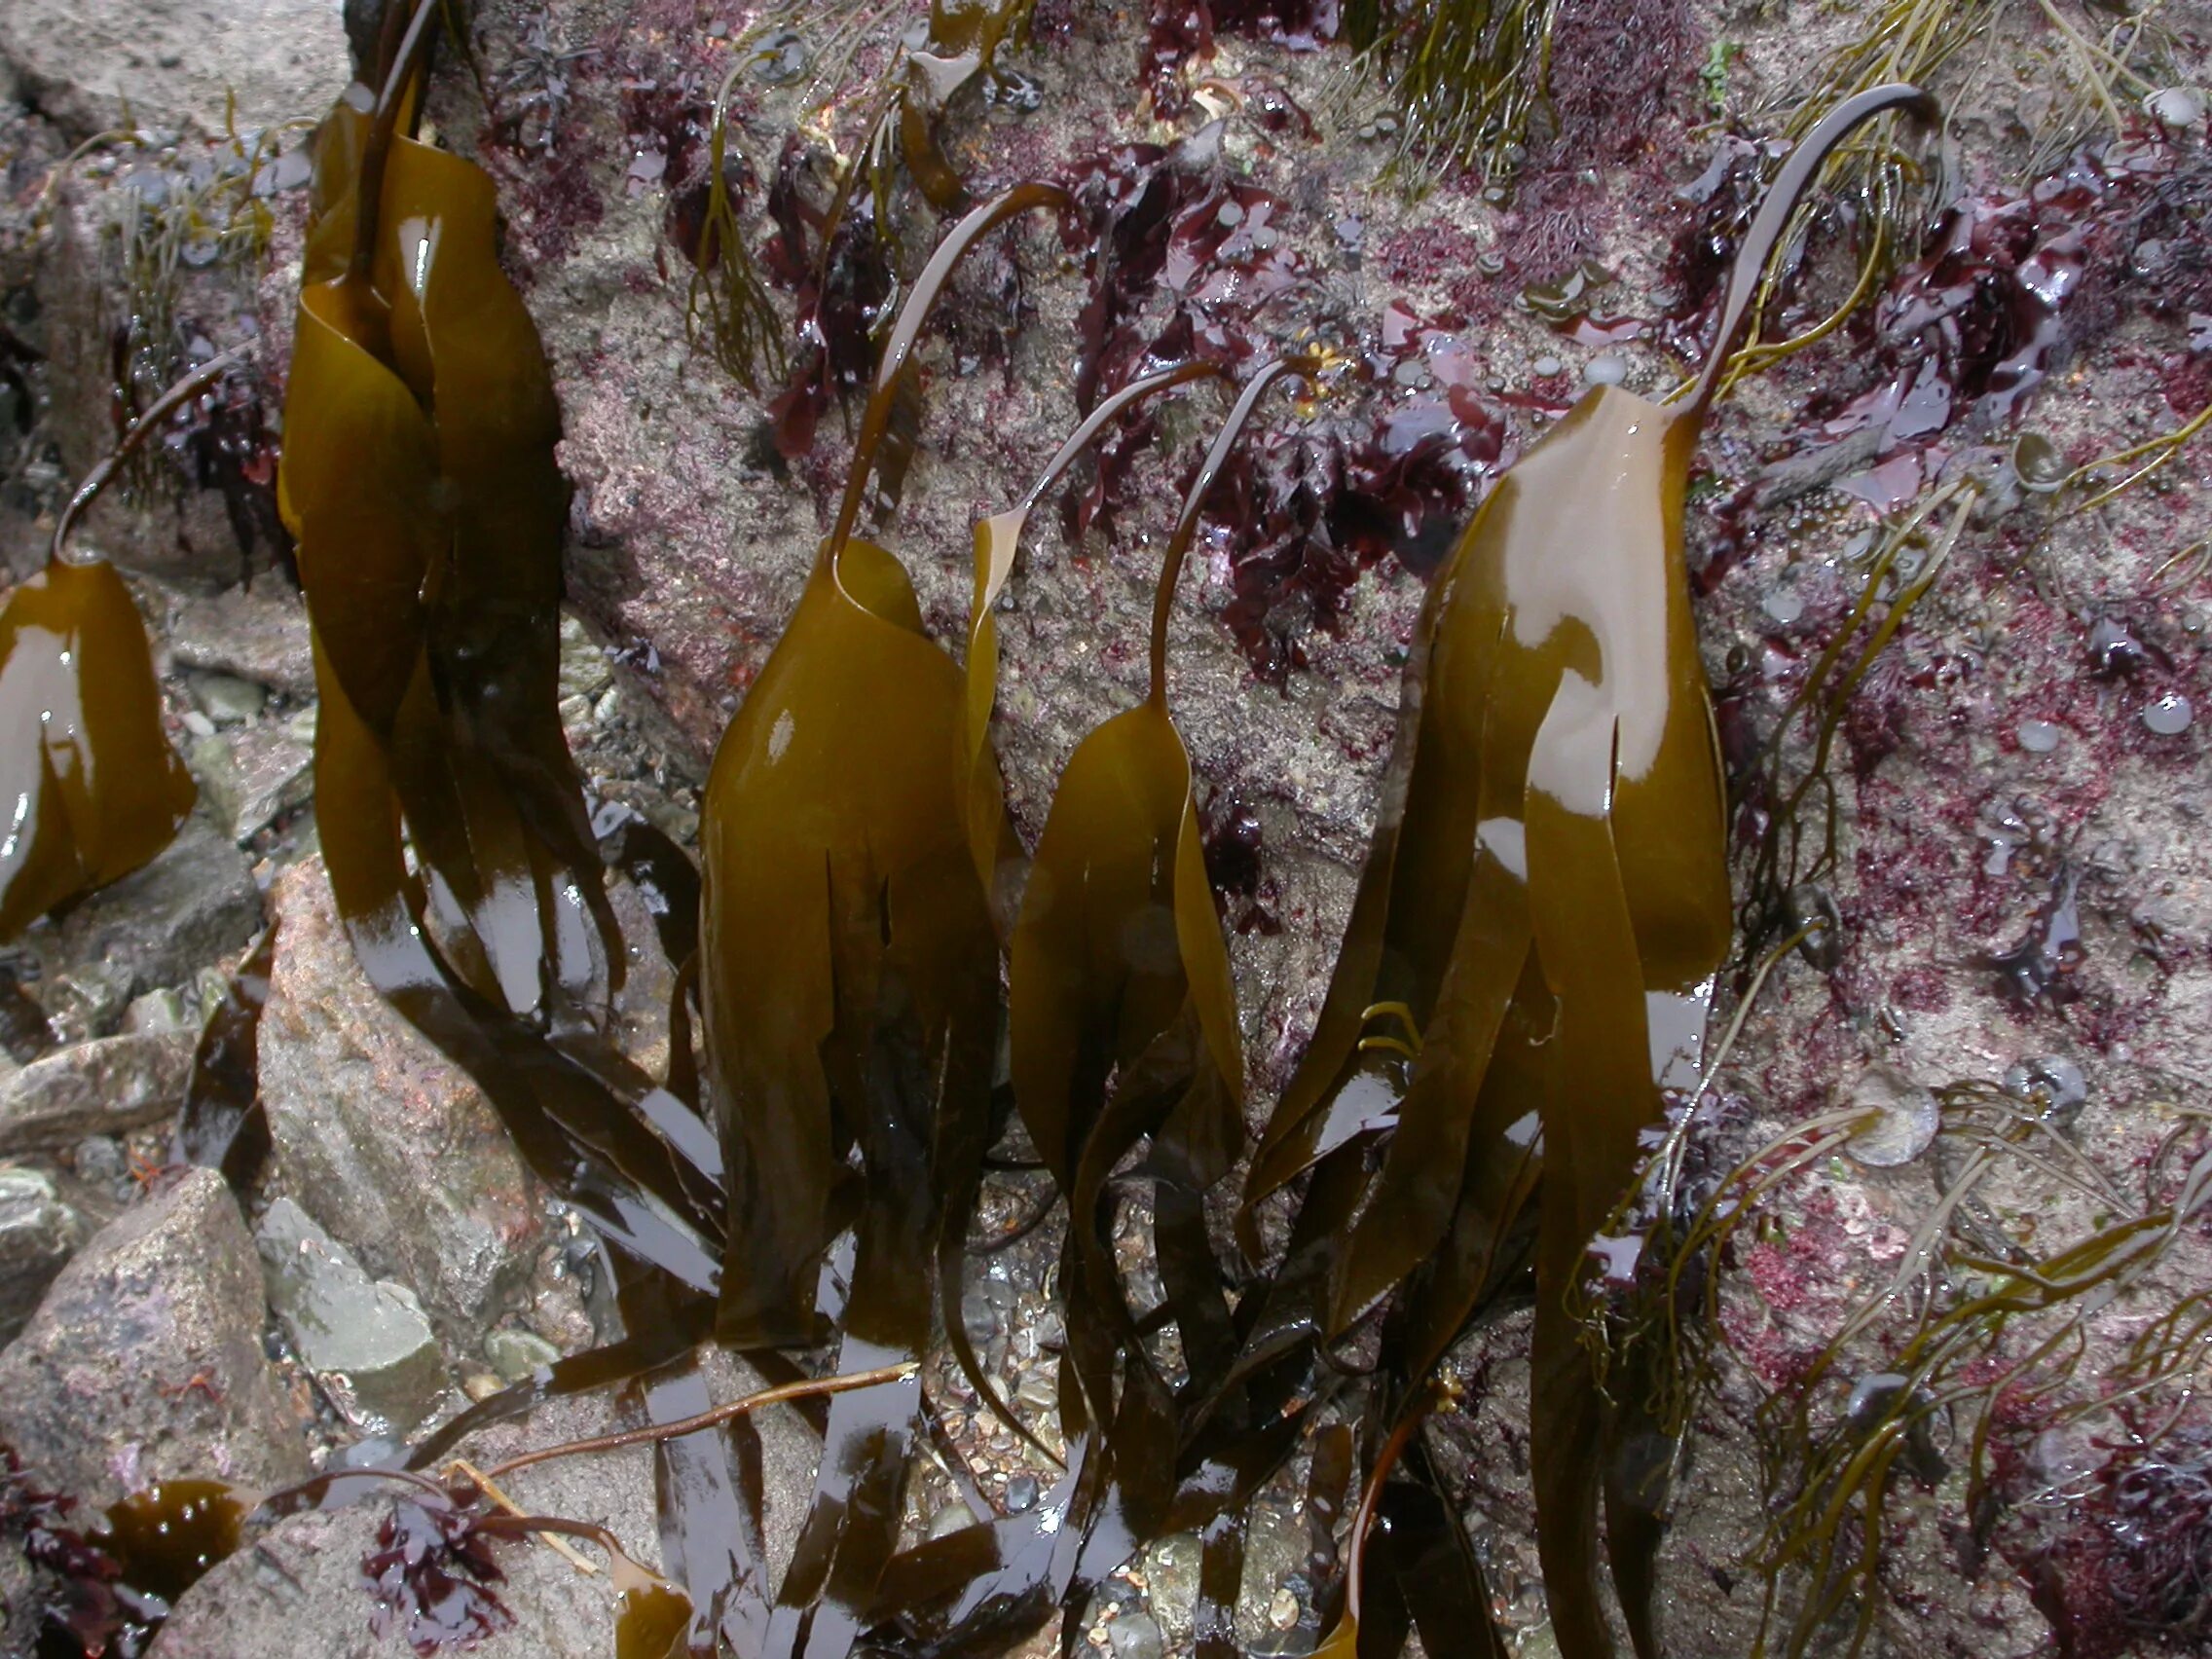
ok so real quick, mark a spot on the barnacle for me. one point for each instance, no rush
(1546, 892)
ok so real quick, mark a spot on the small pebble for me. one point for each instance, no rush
(2169, 715)
(2052, 1084)
(1021, 1494)
(1282, 1611)
(1545, 367)
(2039, 737)
(1607, 370)
(1783, 604)
(2175, 106)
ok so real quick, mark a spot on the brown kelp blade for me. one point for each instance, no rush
(89, 780)
(418, 477)
(998, 539)
(1548, 875)
(848, 978)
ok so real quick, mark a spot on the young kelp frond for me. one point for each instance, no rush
(1899, 570)
(1548, 877)
(420, 479)
(1123, 1023)
(92, 787)
(848, 979)
(2014, 1333)
(725, 300)
(1465, 76)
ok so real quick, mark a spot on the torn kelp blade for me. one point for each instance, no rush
(90, 783)
(419, 480)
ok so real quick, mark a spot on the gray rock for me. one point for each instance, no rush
(388, 1145)
(174, 61)
(298, 1590)
(366, 1341)
(102, 1088)
(163, 1010)
(254, 775)
(1136, 1635)
(38, 1233)
(258, 634)
(228, 700)
(194, 904)
(87, 1000)
(144, 1362)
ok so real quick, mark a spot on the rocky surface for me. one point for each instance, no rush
(388, 1146)
(38, 1233)
(2036, 733)
(106, 1087)
(366, 1341)
(144, 1361)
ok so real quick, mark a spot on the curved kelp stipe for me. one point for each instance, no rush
(998, 539)
(848, 980)
(1530, 954)
(419, 480)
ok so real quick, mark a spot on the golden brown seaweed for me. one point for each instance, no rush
(419, 480)
(1544, 903)
(89, 783)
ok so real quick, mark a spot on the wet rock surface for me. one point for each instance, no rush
(2057, 665)
(366, 1340)
(388, 1146)
(144, 1360)
(194, 904)
(38, 1233)
(106, 1087)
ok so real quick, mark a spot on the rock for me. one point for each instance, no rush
(174, 61)
(38, 1232)
(194, 904)
(144, 1362)
(1136, 1635)
(385, 1142)
(87, 1000)
(257, 633)
(517, 1354)
(163, 1010)
(367, 1343)
(253, 776)
(102, 1088)
(298, 1589)
(228, 700)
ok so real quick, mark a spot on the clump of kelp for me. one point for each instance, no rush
(1551, 858)
(1527, 972)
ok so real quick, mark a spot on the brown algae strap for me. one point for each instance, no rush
(158, 412)
(1194, 504)
(1780, 203)
(914, 317)
(368, 190)
(808, 1388)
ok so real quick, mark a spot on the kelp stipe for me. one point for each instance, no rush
(89, 782)
(1530, 949)
(1123, 1019)
(849, 985)
(419, 480)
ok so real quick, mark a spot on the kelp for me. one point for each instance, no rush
(419, 480)
(221, 1124)
(848, 983)
(1531, 949)
(92, 788)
